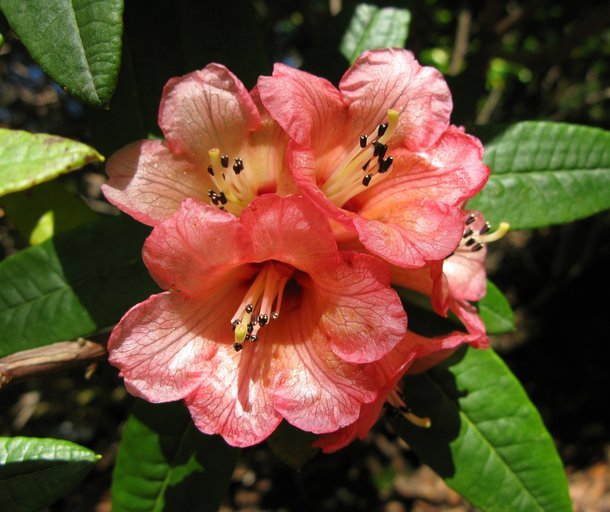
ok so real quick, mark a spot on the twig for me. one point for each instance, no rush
(51, 358)
(462, 36)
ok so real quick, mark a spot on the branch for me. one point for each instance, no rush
(50, 358)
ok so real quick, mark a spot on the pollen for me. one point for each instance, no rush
(365, 164)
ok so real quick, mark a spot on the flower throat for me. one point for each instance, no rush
(366, 161)
(261, 304)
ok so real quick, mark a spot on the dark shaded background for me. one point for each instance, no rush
(545, 60)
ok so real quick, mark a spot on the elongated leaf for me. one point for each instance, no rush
(165, 464)
(372, 27)
(545, 173)
(496, 312)
(73, 285)
(487, 440)
(36, 472)
(30, 158)
(77, 42)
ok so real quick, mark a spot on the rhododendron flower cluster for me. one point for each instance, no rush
(284, 218)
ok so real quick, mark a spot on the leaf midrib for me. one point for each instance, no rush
(165, 481)
(84, 52)
(487, 442)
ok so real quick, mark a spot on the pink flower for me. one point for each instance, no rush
(450, 284)
(378, 155)
(220, 147)
(263, 319)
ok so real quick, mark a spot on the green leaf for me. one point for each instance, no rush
(496, 312)
(77, 42)
(73, 285)
(165, 464)
(372, 27)
(544, 173)
(487, 439)
(30, 158)
(36, 472)
(291, 445)
(45, 210)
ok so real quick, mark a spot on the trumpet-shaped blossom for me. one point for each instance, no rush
(220, 147)
(263, 319)
(378, 155)
(450, 284)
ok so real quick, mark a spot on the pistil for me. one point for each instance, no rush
(366, 161)
(396, 402)
(474, 240)
(261, 304)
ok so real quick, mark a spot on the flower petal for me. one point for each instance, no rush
(392, 79)
(162, 345)
(451, 171)
(235, 396)
(307, 107)
(314, 389)
(290, 230)
(149, 183)
(409, 233)
(197, 248)
(364, 318)
(206, 109)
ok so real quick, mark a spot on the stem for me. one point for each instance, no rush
(51, 358)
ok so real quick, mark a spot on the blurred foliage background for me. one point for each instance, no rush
(505, 62)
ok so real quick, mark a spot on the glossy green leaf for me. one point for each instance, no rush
(45, 210)
(372, 27)
(292, 446)
(30, 158)
(165, 464)
(72, 285)
(36, 472)
(544, 173)
(487, 439)
(77, 42)
(496, 312)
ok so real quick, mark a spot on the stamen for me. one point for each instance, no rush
(369, 157)
(261, 303)
(396, 402)
(475, 241)
(486, 227)
(497, 234)
(231, 194)
(238, 166)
